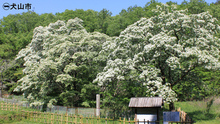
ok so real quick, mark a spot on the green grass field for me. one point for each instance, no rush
(201, 112)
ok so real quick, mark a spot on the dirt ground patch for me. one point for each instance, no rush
(217, 100)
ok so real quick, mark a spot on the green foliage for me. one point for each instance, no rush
(88, 94)
(201, 84)
(214, 9)
(217, 2)
(197, 6)
(90, 18)
(149, 7)
(103, 18)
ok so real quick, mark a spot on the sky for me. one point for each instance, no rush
(55, 6)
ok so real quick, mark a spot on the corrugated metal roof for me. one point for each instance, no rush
(146, 102)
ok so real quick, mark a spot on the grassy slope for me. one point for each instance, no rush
(197, 110)
(12, 117)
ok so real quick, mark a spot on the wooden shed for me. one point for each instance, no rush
(147, 108)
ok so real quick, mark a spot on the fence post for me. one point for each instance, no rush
(51, 117)
(67, 118)
(76, 111)
(80, 119)
(191, 121)
(42, 117)
(32, 118)
(17, 107)
(94, 111)
(97, 119)
(61, 118)
(3, 106)
(27, 114)
(148, 122)
(124, 121)
(47, 119)
(66, 109)
(36, 115)
(75, 119)
(129, 121)
(22, 115)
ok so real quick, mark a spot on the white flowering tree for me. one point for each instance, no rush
(159, 52)
(59, 62)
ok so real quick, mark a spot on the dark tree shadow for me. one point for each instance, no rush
(201, 115)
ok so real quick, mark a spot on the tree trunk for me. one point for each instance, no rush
(171, 106)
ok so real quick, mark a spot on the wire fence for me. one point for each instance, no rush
(61, 109)
(104, 112)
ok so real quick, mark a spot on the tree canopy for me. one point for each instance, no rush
(61, 59)
(158, 53)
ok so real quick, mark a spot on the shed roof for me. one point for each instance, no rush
(146, 102)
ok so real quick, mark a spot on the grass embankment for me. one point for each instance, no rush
(13, 117)
(202, 112)
(9, 116)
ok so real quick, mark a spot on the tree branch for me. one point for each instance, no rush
(138, 69)
(176, 35)
(184, 75)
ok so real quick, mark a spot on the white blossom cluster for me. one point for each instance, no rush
(160, 49)
(55, 52)
(114, 70)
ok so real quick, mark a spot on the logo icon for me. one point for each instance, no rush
(6, 6)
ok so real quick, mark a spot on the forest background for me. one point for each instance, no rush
(16, 33)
